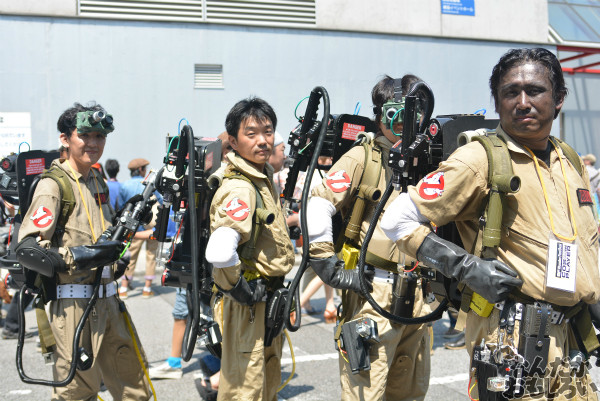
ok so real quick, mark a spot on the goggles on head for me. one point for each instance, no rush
(94, 121)
(393, 113)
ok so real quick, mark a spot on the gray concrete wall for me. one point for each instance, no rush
(493, 19)
(143, 74)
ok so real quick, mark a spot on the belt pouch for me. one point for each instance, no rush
(534, 342)
(403, 294)
(274, 315)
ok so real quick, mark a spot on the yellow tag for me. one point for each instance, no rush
(480, 305)
(350, 256)
(251, 275)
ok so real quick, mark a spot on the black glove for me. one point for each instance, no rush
(595, 314)
(331, 270)
(147, 215)
(248, 293)
(99, 254)
(46, 262)
(490, 278)
(122, 265)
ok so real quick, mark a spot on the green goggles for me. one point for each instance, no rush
(94, 121)
(393, 113)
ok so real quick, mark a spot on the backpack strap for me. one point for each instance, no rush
(569, 153)
(67, 197)
(368, 183)
(247, 250)
(501, 180)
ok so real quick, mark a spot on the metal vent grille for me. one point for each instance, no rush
(208, 76)
(262, 12)
(153, 10)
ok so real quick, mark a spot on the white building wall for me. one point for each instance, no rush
(493, 20)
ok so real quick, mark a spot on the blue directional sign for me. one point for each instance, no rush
(458, 7)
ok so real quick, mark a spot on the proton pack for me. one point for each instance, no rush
(331, 136)
(187, 184)
(425, 143)
(17, 184)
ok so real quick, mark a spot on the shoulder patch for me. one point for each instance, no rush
(432, 186)
(338, 181)
(42, 217)
(237, 209)
(584, 197)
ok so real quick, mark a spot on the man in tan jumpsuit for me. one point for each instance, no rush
(400, 363)
(105, 335)
(551, 210)
(249, 370)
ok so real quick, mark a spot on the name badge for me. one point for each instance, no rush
(106, 272)
(561, 266)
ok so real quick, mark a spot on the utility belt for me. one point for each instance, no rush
(502, 368)
(350, 255)
(404, 285)
(277, 296)
(85, 291)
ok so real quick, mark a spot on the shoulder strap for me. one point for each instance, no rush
(101, 183)
(247, 250)
(570, 154)
(501, 181)
(500, 177)
(368, 181)
(67, 197)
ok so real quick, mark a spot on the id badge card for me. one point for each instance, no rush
(561, 266)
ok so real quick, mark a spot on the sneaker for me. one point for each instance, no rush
(205, 390)
(452, 333)
(165, 371)
(13, 335)
(457, 344)
(147, 294)
(122, 293)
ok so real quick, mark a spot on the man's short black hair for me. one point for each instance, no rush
(540, 55)
(383, 91)
(67, 122)
(112, 168)
(250, 107)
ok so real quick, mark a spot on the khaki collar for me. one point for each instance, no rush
(248, 169)
(62, 164)
(513, 146)
(384, 143)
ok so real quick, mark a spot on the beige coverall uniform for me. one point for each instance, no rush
(105, 334)
(400, 363)
(458, 193)
(249, 370)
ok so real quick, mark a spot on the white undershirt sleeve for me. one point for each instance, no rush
(319, 212)
(401, 218)
(221, 249)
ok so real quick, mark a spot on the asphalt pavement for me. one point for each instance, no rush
(316, 374)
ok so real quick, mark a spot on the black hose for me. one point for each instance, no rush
(294, 286)
(434, 315)
(75, 348)
(192, 324)
(424, 89)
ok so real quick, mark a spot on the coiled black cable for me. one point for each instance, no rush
(294, 286)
